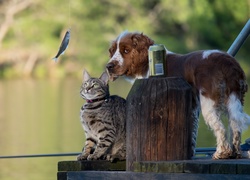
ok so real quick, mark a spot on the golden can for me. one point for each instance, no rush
(157, 60)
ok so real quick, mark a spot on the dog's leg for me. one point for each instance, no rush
(195, 123)
(212, 118)
(236, 137)
(238, 121)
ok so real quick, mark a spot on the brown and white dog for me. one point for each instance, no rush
(216, 77)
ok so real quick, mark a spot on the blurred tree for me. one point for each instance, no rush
(10, 9)
(35, 33)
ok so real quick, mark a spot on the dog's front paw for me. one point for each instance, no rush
(237, 155)
(222, 155)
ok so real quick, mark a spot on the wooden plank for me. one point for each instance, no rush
(153, 119)
(203, 168)
(148, 176)
(239, 166)
(221, 168)
(243, 168)
(145, 125)
(187, 169)
(162, 124)
(133, 136)
(97, 165)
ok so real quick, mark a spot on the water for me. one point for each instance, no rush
(42, 117)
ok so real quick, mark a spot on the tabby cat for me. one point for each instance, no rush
(103, 120)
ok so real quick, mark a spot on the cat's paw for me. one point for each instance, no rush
(92, 157)
(116, 157)
(81, 157)
(110, 158)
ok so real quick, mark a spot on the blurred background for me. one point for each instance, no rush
(39, 99)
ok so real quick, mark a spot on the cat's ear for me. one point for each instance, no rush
(105, 77)
(86, 75)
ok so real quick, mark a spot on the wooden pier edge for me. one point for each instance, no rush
(205, 169)
(111, 175)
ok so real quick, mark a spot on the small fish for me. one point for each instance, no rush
(63, 46)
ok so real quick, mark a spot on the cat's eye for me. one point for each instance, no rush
(95, 85)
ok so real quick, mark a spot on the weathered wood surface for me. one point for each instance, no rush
(201, 166)
(159, 123)
(108, 175)
(66, 167)
(189, 169)
(97, 165)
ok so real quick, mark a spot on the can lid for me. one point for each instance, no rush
(157, 47)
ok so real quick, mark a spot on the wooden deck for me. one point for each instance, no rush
(186, 169)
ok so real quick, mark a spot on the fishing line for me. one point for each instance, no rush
(69, 14)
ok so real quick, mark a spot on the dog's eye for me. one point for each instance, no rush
(126, 51)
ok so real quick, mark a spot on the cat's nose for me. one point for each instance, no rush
(87, 89)
(110, 66)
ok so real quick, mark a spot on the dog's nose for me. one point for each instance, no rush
(110, 66)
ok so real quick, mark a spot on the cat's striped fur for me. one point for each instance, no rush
(103, 120)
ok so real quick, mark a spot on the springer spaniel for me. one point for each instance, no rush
(217, 79)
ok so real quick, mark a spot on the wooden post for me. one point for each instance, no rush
(159, 120)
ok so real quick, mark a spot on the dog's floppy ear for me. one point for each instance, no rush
(135, 39)
(141, 40)
(147, 39)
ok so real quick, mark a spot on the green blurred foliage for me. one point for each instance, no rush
(182, 26)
